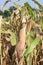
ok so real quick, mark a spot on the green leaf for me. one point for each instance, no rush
(29, 62)
(28, 8)
(32, 45)
(29, 40)
(21, 60)
(13, 39)
(41, 23)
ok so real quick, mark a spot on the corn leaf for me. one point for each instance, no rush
(32, 45)
(29, 62)
(29, 40)
(13, 39)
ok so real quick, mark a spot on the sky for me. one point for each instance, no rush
(19, 2)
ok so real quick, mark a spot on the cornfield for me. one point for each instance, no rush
(21, 34)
